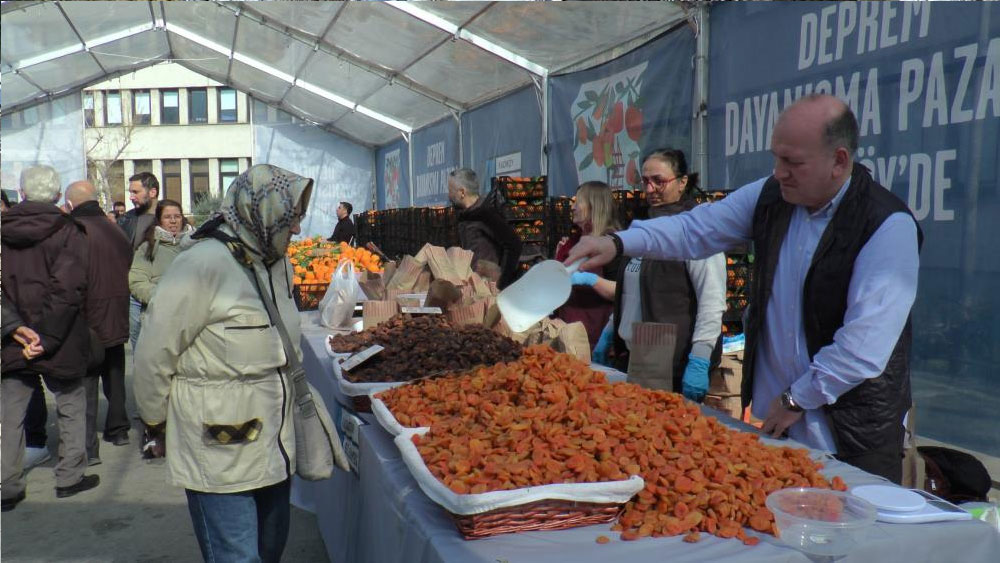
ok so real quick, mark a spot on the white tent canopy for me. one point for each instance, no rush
(369, 71)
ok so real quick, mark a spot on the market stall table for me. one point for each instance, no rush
(381, 515)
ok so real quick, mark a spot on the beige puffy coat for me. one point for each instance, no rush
(207, 357)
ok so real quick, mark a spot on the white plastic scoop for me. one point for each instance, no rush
(540, 291)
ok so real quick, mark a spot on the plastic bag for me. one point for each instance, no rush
(337, 306)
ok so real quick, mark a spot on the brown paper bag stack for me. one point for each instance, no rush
(467, 314)
(406, 275)
(573, 340)
(461, 261)
(651, 357)
(375, 312)
(373, 285)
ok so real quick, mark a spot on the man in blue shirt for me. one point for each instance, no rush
(835, 275)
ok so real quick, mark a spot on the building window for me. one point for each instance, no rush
(227, 105)
(172, 180)
(140, 107)
(170, 112)
(88, 109)
(142, 166)
(199, 180)
(229, 169)
(197, 105)
(113, 107)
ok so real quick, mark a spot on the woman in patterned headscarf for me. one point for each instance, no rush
(211, 366)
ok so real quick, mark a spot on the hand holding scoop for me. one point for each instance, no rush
(543, 289)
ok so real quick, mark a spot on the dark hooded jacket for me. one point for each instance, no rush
(45, 278)
(107, 281)
(483, 230)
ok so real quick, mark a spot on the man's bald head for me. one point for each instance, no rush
(829, 116)
(80, 192)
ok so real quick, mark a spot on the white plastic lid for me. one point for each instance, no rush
(890, 498)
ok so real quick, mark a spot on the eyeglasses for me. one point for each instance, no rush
(656, 181)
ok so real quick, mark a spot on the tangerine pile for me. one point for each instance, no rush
(548, 418)
(314, 260)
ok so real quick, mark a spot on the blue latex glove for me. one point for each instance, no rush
(600, 353)
(695, 382)
(584, 278)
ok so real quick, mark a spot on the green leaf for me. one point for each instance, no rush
(587, 161)
(633, 154)
(608, 160)
(619, 88)
(584, 104)
(591, 95)
(591, 133)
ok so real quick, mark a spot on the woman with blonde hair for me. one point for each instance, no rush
(592, 298)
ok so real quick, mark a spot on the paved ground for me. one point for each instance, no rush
(133, 516)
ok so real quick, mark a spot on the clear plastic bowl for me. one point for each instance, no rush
(820, 521)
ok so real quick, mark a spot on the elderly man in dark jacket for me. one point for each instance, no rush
(481, 228)
(107, 313)
(45, 279)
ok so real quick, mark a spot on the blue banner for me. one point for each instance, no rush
(923, 79)
(435, 154)
(602, 120)
(509, 130)
(392, 175)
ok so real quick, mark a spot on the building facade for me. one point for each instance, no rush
(192, 132)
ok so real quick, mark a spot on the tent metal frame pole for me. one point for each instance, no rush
(408, 137)
(544, 157)
(700, 117)
(232, 47)
(457, 115)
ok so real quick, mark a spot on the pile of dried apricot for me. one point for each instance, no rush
(548, 418)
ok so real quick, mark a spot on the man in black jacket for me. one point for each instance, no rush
(345, 230)
(45, 279)
(107, 313)
(481, 228)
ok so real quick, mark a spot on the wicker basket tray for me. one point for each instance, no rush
(540, 515)
(308, 295)
(542, 507)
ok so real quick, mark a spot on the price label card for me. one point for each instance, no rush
(421, 310)
(360, 358)
(351, 425)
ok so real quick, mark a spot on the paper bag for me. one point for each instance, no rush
(467, 314)
(440, 264)
(375, 312)
(480, 287)
(373, 285)
(461, 261)
(423, 281)
(443, 294)
(651, 357)
(573, 340)
(406, 275)
(388, 270)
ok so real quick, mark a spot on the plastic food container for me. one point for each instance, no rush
(820, 521)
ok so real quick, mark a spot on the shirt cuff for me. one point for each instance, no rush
(805, 394)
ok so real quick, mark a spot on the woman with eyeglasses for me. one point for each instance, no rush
(690, 294)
